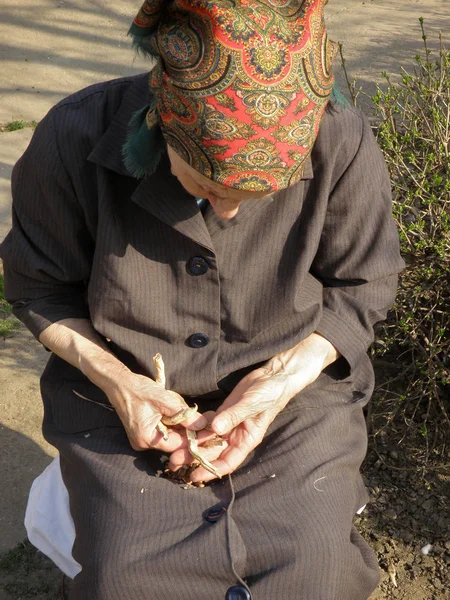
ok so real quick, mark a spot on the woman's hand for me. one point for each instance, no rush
(247, 413)
(141, 403)
(249, 410)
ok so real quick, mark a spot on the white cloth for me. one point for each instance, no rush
(48, 521)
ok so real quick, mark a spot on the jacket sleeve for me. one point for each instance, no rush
(358, 258)
(47, 254)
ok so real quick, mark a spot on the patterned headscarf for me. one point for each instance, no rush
(240, 85)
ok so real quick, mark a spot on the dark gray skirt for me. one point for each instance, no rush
(283, 523)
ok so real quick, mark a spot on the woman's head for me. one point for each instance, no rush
(240, 87)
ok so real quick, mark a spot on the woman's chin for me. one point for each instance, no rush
(224, 210)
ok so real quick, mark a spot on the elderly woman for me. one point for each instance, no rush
(235, 217)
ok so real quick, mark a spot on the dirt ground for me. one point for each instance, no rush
(407, 513)
(52, 49)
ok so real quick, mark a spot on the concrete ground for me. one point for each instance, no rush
(51, 48)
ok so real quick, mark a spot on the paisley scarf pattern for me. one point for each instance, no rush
(240, 86)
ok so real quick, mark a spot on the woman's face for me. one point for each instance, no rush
(225, 201)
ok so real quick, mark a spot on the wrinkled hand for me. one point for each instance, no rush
(245, 416)
(248, 412)
(141, 403)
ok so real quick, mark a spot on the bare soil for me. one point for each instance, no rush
(407, 512)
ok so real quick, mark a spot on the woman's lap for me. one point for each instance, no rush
(289, 532)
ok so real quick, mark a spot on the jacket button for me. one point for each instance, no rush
(197, 266)
(214, 514)
(198, 340)
(237, 592)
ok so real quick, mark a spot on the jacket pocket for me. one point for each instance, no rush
(72, 402)
(81, 406)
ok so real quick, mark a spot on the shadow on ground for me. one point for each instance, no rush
(21, 461)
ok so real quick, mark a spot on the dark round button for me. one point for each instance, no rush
(214, 514)
(237, 592)
(198, 340)
(197, 265)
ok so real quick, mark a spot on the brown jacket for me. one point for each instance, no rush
(151, 271)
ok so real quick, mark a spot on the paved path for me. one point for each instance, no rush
(51, 48)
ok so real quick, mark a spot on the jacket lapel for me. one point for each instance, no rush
(108, 150)
(162, 195)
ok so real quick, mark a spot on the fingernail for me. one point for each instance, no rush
(221, 426)
(204, 421)
(201, 422)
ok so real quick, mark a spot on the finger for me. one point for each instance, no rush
(150, 438)
(170, 404)
(182, 456)
(230, 459)
(229, 418)
(177, 441)
(205, 436)
(196, 422)
(187, 416)
(241, 442)
(209, 415)
(167, 402)
(248, 400)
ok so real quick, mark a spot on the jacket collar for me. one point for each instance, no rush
(108, 150)
(163, 195)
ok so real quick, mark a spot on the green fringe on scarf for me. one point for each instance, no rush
(338, 97)
(144, 147)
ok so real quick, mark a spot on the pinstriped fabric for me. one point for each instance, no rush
(292, 535)
(133, 541)
(90, 241)
(322, 255)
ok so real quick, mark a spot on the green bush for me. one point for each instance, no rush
(413, 347)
